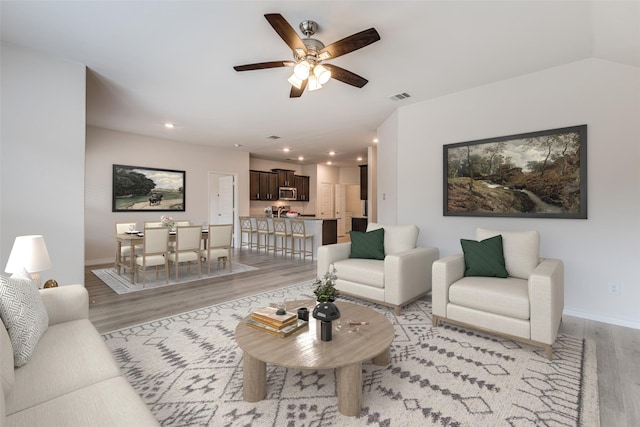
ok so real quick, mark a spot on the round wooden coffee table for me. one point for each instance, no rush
(304, 350)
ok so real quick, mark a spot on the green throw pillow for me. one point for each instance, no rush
(369, 245)
(484, 258)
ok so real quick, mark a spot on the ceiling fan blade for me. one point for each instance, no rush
(263, 65)
(286, 32)
(346, 76)
(297, 93)
(351, 43)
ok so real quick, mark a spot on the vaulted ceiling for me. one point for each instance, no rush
(155, 62)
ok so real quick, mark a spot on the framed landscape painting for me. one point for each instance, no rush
(138, 189)
(530, 175)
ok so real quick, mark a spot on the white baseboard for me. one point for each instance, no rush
(89, 262)
(604, 319)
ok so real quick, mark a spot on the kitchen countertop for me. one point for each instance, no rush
(306, 218)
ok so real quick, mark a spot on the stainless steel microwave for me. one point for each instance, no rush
(287, 193)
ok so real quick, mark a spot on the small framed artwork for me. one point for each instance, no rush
(531, 175)
(138, 189)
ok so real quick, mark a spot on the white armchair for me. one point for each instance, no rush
(526, 306)
(402, 277)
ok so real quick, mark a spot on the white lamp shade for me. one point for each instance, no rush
(314, 84)
(301, 70)
(295, 81)
(30, 253)
(322, 73)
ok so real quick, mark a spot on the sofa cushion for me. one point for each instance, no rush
(521, 250)
(369, 245)
(69, 356)
(397, 238)
(368, 272)
(110, 402)
(24, 315)
(484, 258)
(7, 376)
(507, 297)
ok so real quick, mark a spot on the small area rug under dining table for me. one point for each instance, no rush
(188, 369)
(121, 283)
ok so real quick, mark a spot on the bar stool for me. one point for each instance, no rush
(248, 229)
(282, 233)
(299, 233)
(262, 225)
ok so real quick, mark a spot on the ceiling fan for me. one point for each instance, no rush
(309, 55)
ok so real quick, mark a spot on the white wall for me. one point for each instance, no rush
(42, 157)
(602, 249)
(387, 174)
(107, 147)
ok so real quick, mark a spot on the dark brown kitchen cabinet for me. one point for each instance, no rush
(359, 224)
(254, 185)
(286, 178)
(302, 187)
(364, 183)
(263, 185)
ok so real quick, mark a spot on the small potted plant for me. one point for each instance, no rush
(325, 287)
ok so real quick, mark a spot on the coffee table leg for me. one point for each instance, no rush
(254, 379)
(350, 389)
(383, 358)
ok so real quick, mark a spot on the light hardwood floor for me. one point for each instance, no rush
(618, 348)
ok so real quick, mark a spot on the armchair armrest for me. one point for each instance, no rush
(446, 271)
(546, 298)
(407, 274)
(66, 303)
(328, 254)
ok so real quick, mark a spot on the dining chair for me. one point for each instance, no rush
(264, 235)
(282, 235)
(219, 246)
(154, 252)
(248, 229)
(299, 234)
(187, 248)
(125, 251)
(153, 224)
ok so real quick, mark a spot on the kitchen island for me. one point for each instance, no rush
(324, 230)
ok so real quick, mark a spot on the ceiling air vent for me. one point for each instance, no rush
(273, 137)
(399, 96)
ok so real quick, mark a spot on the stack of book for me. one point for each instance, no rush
(281, 325)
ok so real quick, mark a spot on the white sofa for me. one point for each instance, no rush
(402, 277)
(526, 306)
(71, 379)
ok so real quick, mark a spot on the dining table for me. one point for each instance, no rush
(137, 238)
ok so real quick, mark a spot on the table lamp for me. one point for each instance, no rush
(28, 253)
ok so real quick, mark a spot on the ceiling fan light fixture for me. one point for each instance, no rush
(322, 73)
(301, 70)
(314, 84)
(295, 81)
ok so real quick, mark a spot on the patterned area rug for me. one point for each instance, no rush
(188, 369)
(121, 284)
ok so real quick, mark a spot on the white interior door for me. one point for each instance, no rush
(326, 200)
(225, 213)
(221, 199)
(340, 207)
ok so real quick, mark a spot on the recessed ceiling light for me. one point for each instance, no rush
(375, 140)
(300, 158)
(169, 125)
(359, 158)
(237, 145)
(329, 162)
(332, 153)
(286, 150)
